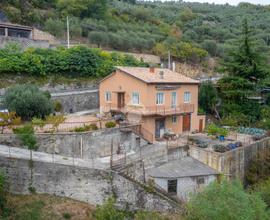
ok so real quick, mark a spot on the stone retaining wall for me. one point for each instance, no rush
(84, 184)
(87, 145)
(78, 100)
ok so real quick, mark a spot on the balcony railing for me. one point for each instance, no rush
(160, 110)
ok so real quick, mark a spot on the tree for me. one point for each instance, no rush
(28, 101)
(244, 60)
(208, 97)
(99, 38)
(226, 201)
(27, 135)
(8, 119)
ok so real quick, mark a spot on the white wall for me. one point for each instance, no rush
(186, 185)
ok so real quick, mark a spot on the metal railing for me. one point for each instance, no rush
(144, 133)
(152, 110)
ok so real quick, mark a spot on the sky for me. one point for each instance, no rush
(232, 2)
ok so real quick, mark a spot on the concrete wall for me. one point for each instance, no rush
(84, 184)
(24, 42)
(234, 163)
(85, 145)
(75, 101)
(186, 185)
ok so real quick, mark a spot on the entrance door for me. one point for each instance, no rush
(186, 122)
(120, 100)
(160, 128)
(201, 125)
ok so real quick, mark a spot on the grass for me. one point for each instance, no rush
(45, 207)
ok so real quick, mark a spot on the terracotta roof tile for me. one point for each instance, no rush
(145, 75)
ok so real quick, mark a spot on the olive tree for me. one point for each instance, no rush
(28, 101)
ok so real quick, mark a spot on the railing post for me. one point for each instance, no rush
(111, 159)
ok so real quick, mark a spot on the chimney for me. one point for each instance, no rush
(152, 69)
(161, 74)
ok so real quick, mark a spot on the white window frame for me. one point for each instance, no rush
(187, 97)
(137, 96)
(158, 99)
(174, 99)
(108, 96)
(174, 119)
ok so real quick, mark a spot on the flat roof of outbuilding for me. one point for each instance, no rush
(185, 167)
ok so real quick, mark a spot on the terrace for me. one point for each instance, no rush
(158, 110)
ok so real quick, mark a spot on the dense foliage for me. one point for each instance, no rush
(74, 62)
(226, 201)
(3, 199)
(208, 97)
(28, 101)
(145, 26)
(259, 169)
(246, 72)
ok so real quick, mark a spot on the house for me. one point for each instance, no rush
(159, 99)
(182, 177)
(25, 35)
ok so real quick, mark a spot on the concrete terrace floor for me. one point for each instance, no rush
(21, 153)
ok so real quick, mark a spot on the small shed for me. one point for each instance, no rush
(182, 177)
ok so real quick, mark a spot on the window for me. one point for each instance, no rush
(174, 119)
(108, 96)
(172, 187)
(174, 98)
(187, 97)
(135, 98)
(200, 180)
(160, 98)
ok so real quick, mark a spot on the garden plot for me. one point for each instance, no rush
(214, 143)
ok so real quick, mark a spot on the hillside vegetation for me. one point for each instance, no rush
(191, 31)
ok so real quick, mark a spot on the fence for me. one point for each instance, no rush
(27, 154)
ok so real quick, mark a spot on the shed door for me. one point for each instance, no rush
(186, 122)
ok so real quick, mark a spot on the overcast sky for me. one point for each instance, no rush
(232, 2)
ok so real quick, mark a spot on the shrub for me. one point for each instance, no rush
(81, 129)
(85, 128)
(226, 200)
(27, 136)
(3, 199)
(66, 215)
(108, 211)
(263, 189)
(213, 129)
(58, 106)
(38, 122)
(55, 120)
(110, 124)
(27, 101)
(93, 126)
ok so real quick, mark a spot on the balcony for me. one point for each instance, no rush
(157, 110)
